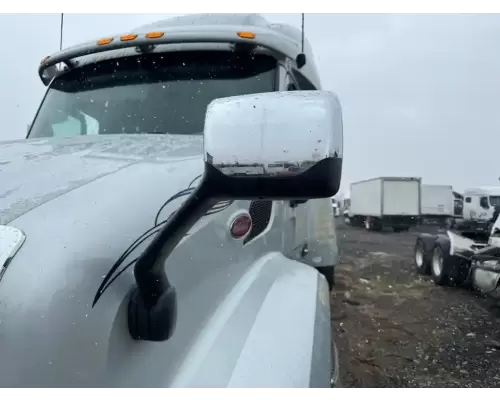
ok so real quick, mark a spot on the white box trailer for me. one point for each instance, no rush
(437, 203)
(385, 202)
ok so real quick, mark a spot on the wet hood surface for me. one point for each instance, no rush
(35, 171)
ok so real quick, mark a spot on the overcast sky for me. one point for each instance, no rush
(419, 92)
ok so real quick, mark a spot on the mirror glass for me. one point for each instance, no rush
(271, 134)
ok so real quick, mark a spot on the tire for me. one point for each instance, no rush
(421, 258)
(397, 229)
(368, 224)
(490, 228)
(450, 223)
(329, 274)
(372, 224)
(441, 264)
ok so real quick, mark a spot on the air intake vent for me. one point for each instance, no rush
(260, 211)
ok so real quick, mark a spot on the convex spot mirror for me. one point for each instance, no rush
(279, 145)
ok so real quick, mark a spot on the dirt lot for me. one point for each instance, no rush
(394, 328)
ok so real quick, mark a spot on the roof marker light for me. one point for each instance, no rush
(126, 38)
(246, 35)
(154, 35)
(104, 41)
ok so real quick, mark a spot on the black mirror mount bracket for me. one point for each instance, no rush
(152, 310)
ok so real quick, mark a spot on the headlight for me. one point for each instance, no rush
(11, 239)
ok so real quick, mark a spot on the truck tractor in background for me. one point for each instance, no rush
(463, 256)
(478, 211)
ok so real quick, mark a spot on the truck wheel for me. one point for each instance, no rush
(368, 224)
(441, 265)
(422, 261)
(450, 223)
(371, 224)
(490, 228)
(329, 274)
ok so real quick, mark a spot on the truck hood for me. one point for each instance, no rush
(70, 207)
(36, 171)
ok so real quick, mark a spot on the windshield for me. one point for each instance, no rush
(163, 93)
(495, 201)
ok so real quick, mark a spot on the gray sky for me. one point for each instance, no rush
(419, 92)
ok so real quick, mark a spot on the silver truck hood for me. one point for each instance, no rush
(35, 171)
(80, 202)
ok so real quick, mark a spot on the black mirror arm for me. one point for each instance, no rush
(152, 309)
(295, 203)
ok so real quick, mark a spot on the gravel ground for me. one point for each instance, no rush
(395, 328)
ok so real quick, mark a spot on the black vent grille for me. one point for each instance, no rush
(260, 211)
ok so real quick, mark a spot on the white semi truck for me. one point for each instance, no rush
(462, 256)
(128, 137)
(480, 203)
(385, 202)
(469, 252)
(478, 212)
